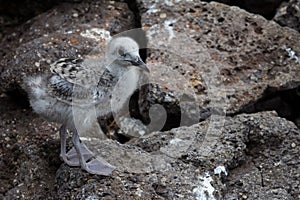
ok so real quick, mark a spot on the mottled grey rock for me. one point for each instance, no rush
(67, 30)
(266, 8)
(222, 57)
(288, 14)
(255, 150)
(207, 59)
(131, 127)
(272, 167)
(29, 155)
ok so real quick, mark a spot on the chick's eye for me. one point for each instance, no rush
(125, 55)
(121, 52)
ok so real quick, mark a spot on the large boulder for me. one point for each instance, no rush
(29, 155)
(253, 156)
(288, 14)
(266, 8)
(225, 59)
(67, 30)
(209, 62)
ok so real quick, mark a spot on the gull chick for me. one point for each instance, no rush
(74, 94)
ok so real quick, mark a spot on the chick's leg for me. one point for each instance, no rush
(71, 158)
(93, 165)
(63, 138)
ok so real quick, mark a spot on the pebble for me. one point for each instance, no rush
(37, 64)
(163, 15)
(75, 15)
(293, 145)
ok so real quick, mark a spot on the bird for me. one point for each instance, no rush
(75, 93)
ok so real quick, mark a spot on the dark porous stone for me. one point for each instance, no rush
(288, 14)
(258, 152)
(223, 59)
(59, 32)
(221, 105)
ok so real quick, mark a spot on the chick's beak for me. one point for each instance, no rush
(139, 63)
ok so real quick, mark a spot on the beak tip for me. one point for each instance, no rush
(146, 69)
(142, 65)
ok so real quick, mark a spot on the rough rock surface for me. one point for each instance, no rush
(29, 153)
(67, 30)
(289, 15)
(29, 156)
(223, 57)
(207, 60)
(259, 153)
(266, 8)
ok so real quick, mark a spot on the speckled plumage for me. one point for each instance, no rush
(75, 94)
